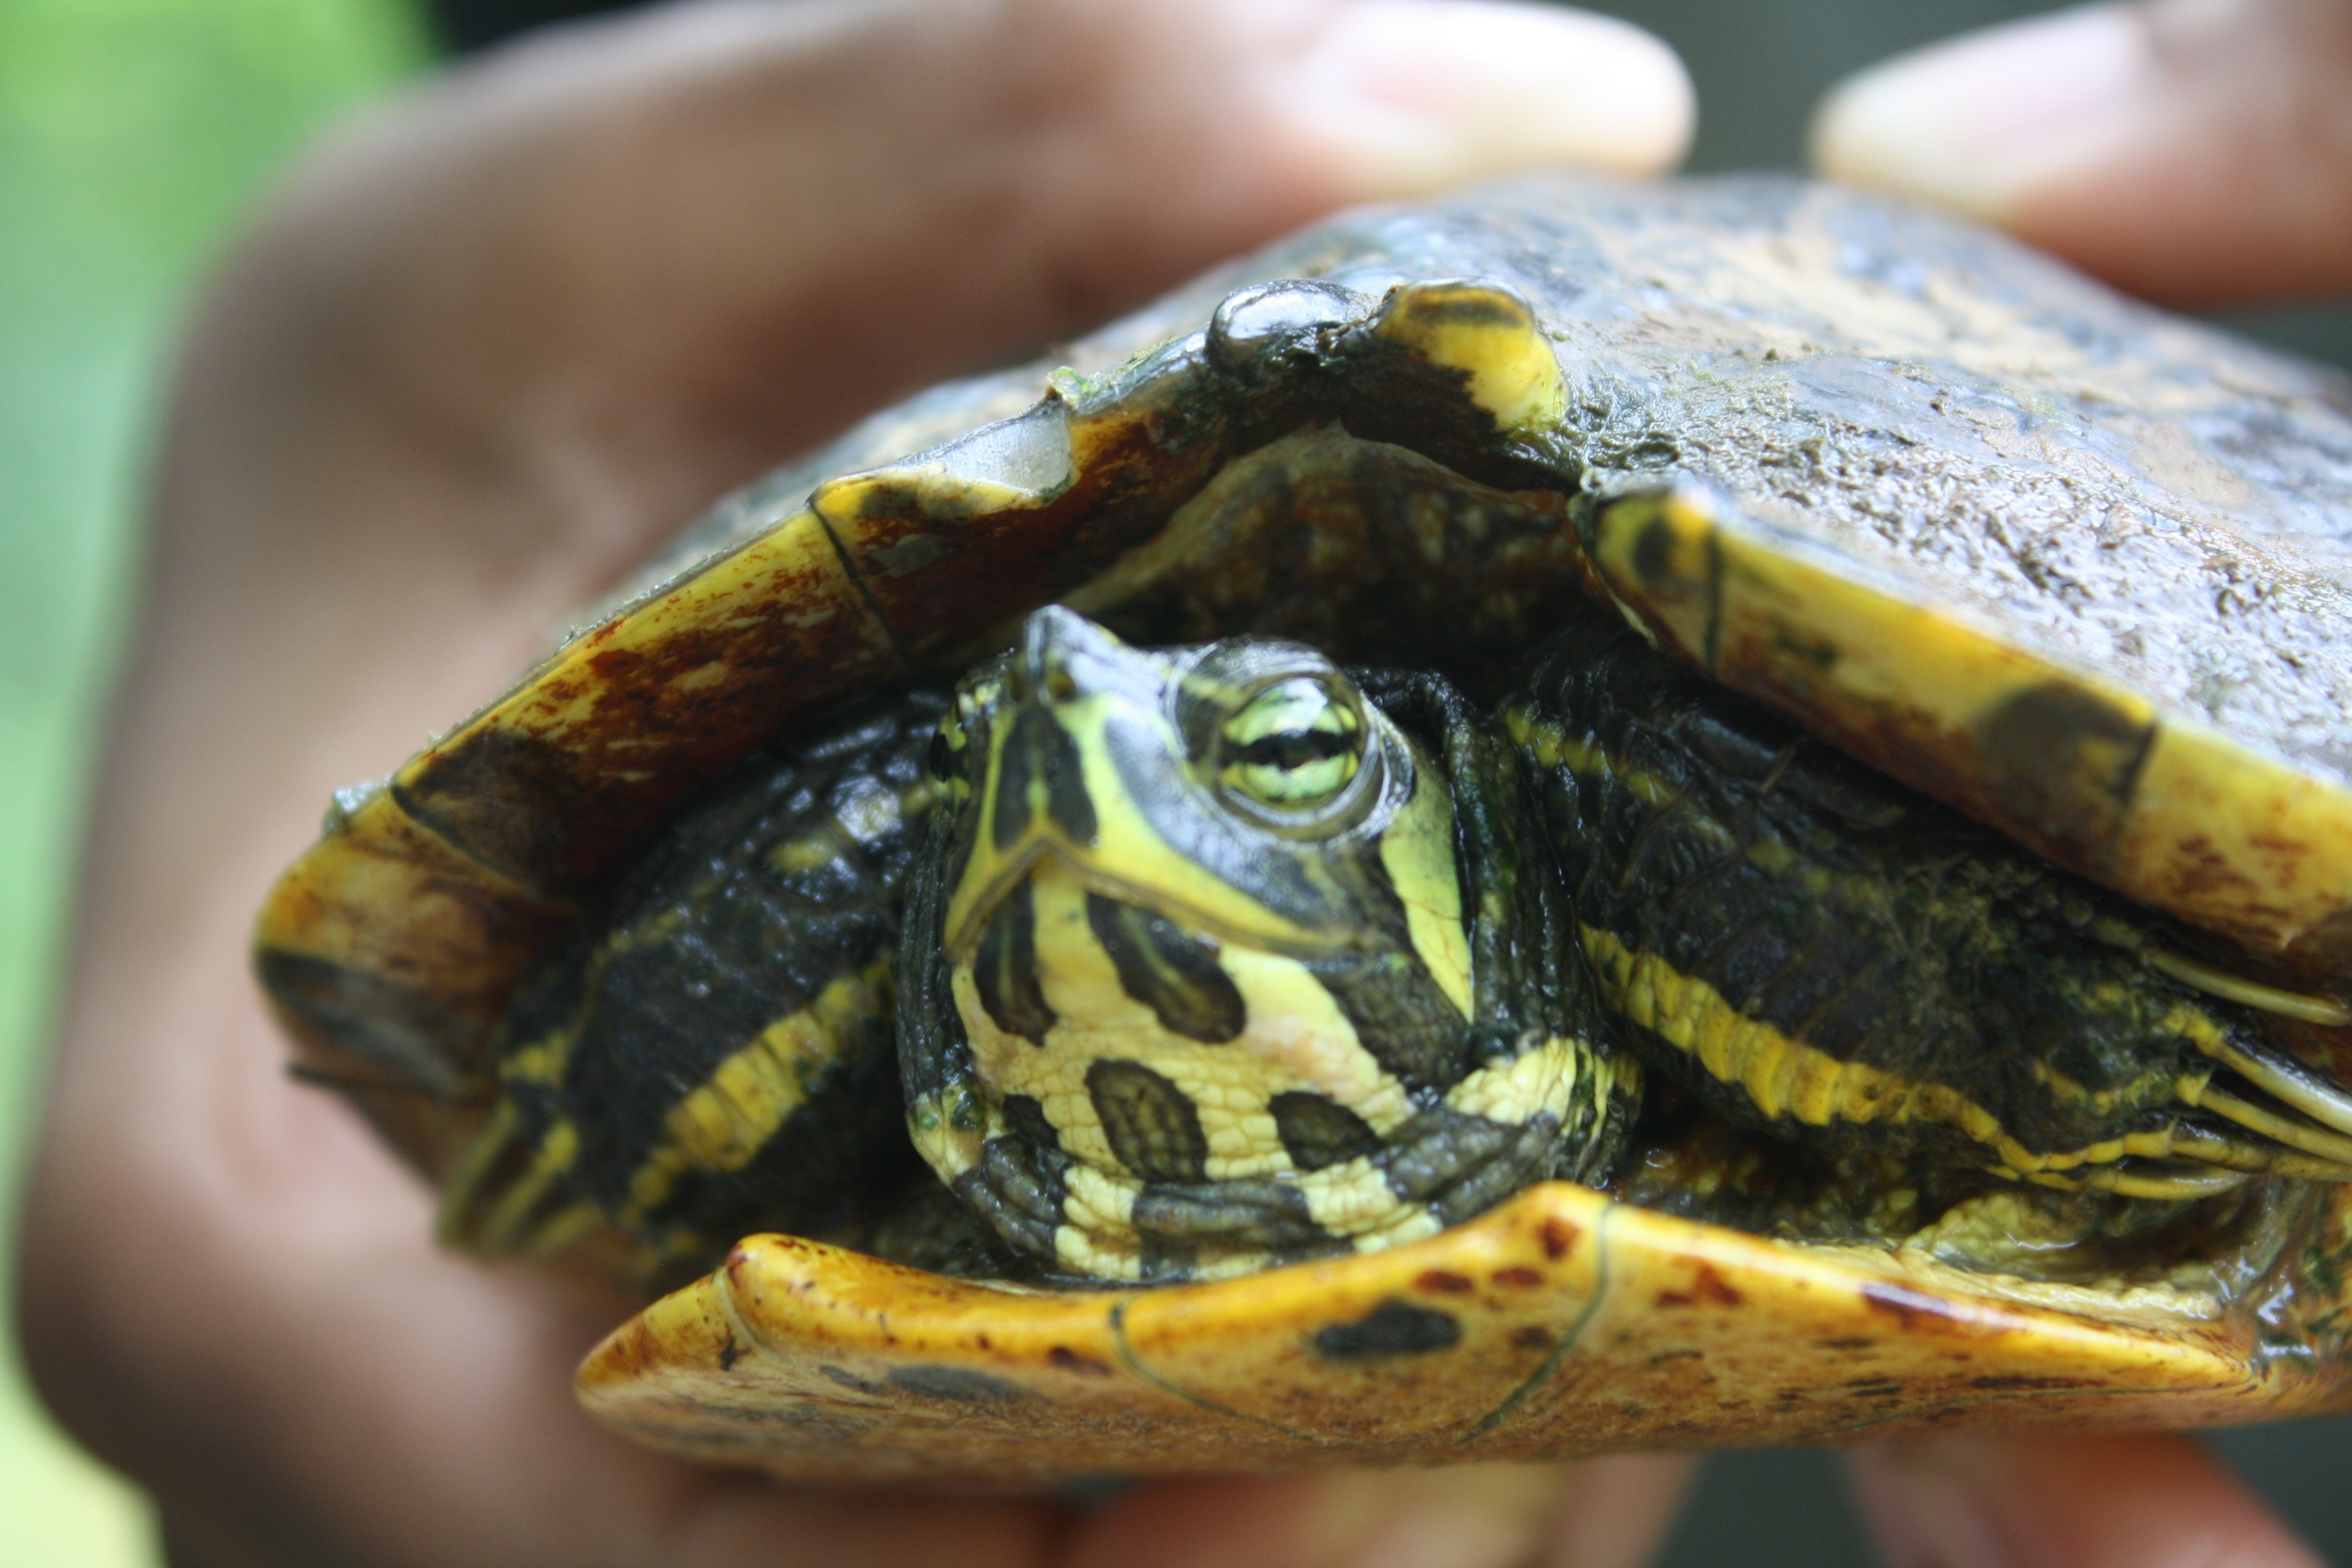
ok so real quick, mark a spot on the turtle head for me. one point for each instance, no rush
(1204, 967)
(1242, 792)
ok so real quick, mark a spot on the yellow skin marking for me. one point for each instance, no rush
(1127, 859)
(724, 1122)
(1295, 1039)
(1417, 851)
(1692, 1016)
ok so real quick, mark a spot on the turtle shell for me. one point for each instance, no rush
(2074, 566)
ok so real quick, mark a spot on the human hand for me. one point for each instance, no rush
(2198, 151)
(482, 355)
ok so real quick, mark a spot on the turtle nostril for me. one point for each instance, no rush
(1059, 686)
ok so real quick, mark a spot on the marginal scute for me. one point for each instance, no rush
(1251, 320)
(1491, 335)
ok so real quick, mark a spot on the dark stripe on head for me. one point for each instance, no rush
(1169, 971)
(1401, 1018)
(1151, 1125)
(1004, 968)
(1040, 749)
(1318, 1132)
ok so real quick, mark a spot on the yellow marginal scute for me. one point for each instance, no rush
(1491, 335)
(793, 572)
(2158, 804)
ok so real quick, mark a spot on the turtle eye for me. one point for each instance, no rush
(1293, 746)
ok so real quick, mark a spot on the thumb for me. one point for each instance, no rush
(2193, 151)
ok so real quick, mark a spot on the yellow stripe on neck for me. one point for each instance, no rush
(1785, 1077)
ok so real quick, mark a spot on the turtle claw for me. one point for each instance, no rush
(2292, 1132)
(2172, 1183)
(2325, 1011)
(2286, 1079)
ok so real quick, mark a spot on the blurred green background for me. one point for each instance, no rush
(134, 132)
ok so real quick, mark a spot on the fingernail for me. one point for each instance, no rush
(1927, 1505)
(1978, 123)
(1436, 92)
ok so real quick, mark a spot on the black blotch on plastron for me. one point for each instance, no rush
(1026, 1116)
(1004, 968)
(1169, 971)
(1151, 1125)
(1392, 1328)
(1319, 1131)
(1040, 750)
(959, 1384)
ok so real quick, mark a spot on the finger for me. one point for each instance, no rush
(657, 255)
(2066, 1502)
(1596, 1513)
(2193, 151)
(233, 1295)
(495, 345)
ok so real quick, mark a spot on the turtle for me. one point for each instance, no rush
(1583, 816)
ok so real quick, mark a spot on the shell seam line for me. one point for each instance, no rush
(857, 582)
(1714, 599)
(1567, 1341)
(422, 819)
(2127, 789)
(1134, 1364)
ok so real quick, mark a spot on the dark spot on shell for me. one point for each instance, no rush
(2021, 1381)
(1846, 1342)
(1392, 1328)
(960, 1384)
(1070, 1359)
(1518, 1278)
(1707, 1285)
(2065, 761)
(1444, 1282)
(1560, 1238)
(1653, 554)
(1534, 1337)
(728, 1354)
(847, 1379)
(1911, 1308)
